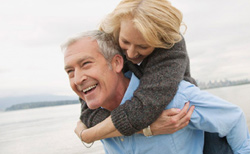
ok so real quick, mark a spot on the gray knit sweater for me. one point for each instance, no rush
(160, 74)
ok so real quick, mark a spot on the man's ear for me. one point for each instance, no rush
(117, 63)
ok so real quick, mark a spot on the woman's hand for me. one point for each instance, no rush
(172, 120)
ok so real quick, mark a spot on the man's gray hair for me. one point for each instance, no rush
(107, 45)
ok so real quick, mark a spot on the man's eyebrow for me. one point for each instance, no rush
(67, 67)
(79, 61)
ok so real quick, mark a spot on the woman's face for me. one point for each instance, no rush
(132, 43)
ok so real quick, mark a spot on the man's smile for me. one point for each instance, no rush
(85, 91)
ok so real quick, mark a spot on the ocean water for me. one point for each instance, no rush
(47, 130)
(50, 130)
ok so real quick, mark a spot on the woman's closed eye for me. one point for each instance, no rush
(143, 47)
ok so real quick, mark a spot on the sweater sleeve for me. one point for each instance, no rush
(162, 72)
(92, 117)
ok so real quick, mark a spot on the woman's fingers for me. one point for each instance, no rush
(182, 119)
(171, 112)
(183, 112)
(172, 120)
(185, 120)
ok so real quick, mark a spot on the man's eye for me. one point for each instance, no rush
(125, 42)
(85, 63)
(69, 71)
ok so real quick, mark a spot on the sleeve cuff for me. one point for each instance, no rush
(121, 122)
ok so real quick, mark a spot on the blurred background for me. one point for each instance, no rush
(31, 62)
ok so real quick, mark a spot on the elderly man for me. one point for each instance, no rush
(96, 76)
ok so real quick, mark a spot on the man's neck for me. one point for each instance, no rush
(121, 89)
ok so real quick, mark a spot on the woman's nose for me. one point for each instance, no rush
(131, 52)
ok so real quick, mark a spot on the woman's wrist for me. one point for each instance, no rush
(86, 144)
(147, 131)
(87, 135)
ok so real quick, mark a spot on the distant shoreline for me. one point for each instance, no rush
(218, 86)
(33, 105)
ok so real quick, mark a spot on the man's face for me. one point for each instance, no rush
(90, 76)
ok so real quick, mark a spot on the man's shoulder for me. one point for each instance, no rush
(186, 87)
(184, 91)
(185, 84)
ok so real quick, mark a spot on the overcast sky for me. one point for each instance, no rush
(31, 31)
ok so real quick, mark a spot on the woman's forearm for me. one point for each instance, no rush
(105, 129)
(92, 117)
(170, 121)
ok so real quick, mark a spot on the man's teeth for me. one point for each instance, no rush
(89, 88)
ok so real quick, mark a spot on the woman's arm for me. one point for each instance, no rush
(170, 121)
(92, 117)
(162, 72)
(102, 130)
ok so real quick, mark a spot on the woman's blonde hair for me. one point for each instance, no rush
(157, 20)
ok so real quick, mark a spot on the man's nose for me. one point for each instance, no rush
(80, 77)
